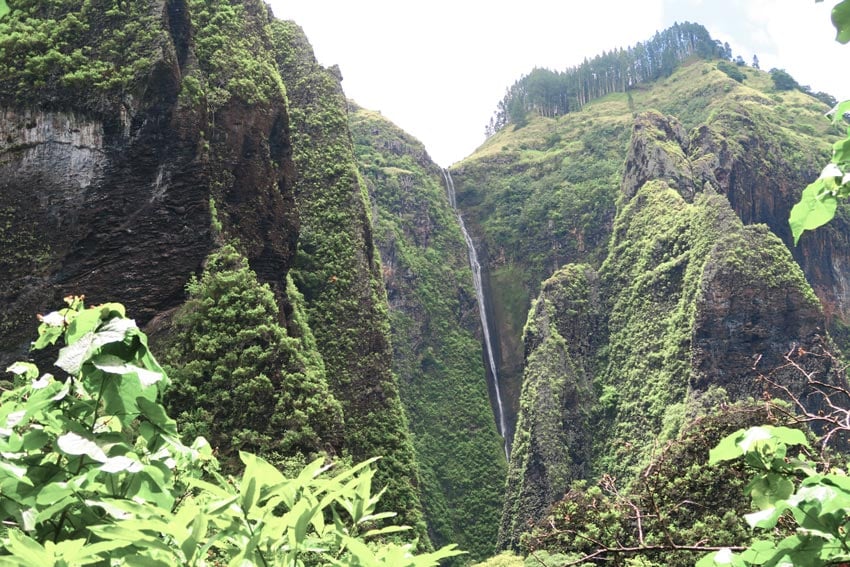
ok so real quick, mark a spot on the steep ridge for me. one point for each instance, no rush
(689, 303)
(436, 335)
(340, 276)
(545, 194)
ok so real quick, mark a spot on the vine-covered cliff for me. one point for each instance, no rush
(545, 194)
(689, 303)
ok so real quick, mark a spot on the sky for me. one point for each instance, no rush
(437, 69)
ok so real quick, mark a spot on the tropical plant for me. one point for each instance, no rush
(819, 200)
(788, 487)
(93, 472)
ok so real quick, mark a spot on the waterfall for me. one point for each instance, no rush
(482, 308)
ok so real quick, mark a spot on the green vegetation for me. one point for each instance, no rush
(436, 353)
(673, 239)
(552, 440)
(337, 271)
(71, 53)
(782, 81)
(732, 71)
(93, 472)
(545, 195)
(819, 201)
(680, 499)
(231, 43)
(239, 379)
(549, 93)
(788, 488)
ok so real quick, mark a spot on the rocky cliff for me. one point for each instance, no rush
(139, 137)
(106, 190)
(543, 195)
(689, 302)
(338, 271)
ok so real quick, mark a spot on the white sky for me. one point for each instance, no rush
(438, 68)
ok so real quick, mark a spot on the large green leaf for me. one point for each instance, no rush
(841, 21)
(73, 444)
(816, 208)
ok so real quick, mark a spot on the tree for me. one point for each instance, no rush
(756, 62)
(782, 81)
(731, 71)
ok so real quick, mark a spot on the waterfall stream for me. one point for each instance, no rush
(482, 308)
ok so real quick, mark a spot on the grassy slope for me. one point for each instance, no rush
(436, 336)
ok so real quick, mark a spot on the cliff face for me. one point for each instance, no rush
(436, 335)
(544, 195)
(139, 138)
(337, 270)
(689, 303)
(109, 194)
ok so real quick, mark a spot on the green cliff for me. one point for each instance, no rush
(436, 335)
(339, 274)
(147, 143)
(545, 194)
(689, 302)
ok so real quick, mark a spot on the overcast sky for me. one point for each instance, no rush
(438, 68)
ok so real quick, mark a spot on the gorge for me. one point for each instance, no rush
(593, 295)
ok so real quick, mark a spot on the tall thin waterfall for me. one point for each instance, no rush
(479, 293)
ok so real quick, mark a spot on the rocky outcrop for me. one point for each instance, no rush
(743, 145)
(554, 439)
(694, 306)
(114, 201)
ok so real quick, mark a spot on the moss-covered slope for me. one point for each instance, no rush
(543, 195)
(136, 138)
(337, 270)
(688, 301)
(436, 335)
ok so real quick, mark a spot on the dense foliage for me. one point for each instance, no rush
(551, 93)
(231, 62)
(788, 487)
(678, 503)
(66, 51)
(239, 378)
(93, 472)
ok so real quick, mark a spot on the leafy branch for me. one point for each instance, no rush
(819, 200)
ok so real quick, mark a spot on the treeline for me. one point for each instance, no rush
(553, 93)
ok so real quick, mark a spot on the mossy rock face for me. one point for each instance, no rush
(538, 197)
(436, 336)
(689, 301)
(553, 439)
(118, 179)
(339, 273)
